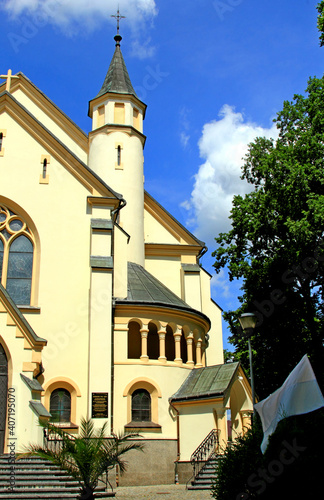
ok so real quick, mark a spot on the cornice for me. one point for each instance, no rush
(167, 249)
(109, 128)
(115, 96)
(174, 312)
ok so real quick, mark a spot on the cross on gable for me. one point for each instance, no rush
(118, 17)
(8, 77)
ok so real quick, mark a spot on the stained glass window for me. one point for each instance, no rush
(60, 406)
(141, 406)
(20, 266)
(16, 256)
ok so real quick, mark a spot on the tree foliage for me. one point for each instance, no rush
(87, 456)
(320, 21)
(290, 468)
(276, 242)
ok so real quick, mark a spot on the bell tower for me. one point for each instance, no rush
(116, 146)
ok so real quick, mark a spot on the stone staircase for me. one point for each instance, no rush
(33, 478)
(205, 477)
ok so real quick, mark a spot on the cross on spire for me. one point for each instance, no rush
(8, 77)
(118, 17)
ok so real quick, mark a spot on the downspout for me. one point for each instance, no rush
(176, 475)
(121, 205)
(202, 252)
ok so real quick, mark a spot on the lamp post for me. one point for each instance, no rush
(248, 322)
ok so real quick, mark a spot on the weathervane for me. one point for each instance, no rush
(118, 17)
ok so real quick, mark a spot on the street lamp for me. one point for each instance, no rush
(248, 322)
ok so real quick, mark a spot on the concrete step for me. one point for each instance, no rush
(35, 478)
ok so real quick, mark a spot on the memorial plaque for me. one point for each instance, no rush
(99, 405)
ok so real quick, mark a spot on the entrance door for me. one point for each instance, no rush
(3, 395)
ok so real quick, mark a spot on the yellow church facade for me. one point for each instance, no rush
(105, 310)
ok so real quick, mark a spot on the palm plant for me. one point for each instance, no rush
(87, 456)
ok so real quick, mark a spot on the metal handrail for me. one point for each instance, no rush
(203, 452)
(56, 443)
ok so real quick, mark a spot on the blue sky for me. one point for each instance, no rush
(212, 72)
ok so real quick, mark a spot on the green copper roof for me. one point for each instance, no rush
(144, 287)
(117, 79)
(33, 384)
(207, 382)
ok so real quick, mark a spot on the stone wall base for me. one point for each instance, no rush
(153, 465)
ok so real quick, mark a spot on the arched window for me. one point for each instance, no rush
(169, 344)
(60, 406)
(141, 406)
(184, 353)
(153, 347)
(134, 341)
(16, 256)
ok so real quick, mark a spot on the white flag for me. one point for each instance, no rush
(300, 393)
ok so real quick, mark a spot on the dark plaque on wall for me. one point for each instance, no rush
(100, 405)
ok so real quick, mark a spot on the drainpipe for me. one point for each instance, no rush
(122, 204)
(176, 476)
(202, 252)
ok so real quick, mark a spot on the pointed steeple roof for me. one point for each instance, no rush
(117, 79)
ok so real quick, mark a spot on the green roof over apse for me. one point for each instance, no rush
(145, 289)
(207, 382)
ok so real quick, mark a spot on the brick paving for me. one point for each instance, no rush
(163, 492)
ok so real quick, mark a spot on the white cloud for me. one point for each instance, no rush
(223, 144)
(73, 15)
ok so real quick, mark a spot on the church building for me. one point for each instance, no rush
(105, 310)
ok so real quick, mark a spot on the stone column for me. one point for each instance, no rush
(190, 352)
(177, 341)
(221, 425)
(162, 357)
(144, 334)
(198, 353)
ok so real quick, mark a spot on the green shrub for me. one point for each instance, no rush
(291, 468)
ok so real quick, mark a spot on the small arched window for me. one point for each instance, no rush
(134, 341)
(60, 406)
(153, 346)
(1, 139)
(141, 406)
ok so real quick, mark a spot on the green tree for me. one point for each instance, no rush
(320, 21)
(276, 243)
(87, 456)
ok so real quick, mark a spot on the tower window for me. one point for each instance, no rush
(44, 168)
(136, 121)
(60, 406)
(3, 133)
(141, 406)
(101, 116)
(119, 113)
(118, 155)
